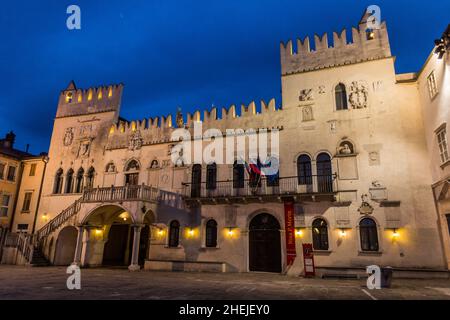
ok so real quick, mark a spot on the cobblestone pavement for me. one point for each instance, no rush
(50, 283)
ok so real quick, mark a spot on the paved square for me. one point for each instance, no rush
(50, 283)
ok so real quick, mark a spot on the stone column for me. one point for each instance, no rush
(79, 247)
(134, 266)
(86, 252)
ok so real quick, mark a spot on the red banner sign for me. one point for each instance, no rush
(308, 260)
(290, 232)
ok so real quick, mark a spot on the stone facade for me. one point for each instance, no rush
(344, 108)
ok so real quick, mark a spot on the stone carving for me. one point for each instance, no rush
(359, 95)
(321, 89)
(365, 207)
(307, 113)
(110, 168)
(333, 126)
(346, 148)
(84, 149)
(154, 164)
(306, 95)
(135, 142)
(374, 158)
(68, 137)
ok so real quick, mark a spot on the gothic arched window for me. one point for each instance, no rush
(369, 235)
(79, 181)
(57, 188)
(69, 181)
(320, 234)
(211, 234)
(90, 178)
(341, 97)
(174, 234)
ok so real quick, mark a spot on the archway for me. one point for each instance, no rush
(65, 246)
(111, 236)
(264, 244)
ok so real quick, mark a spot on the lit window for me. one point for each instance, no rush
(90, 95)
(320, 234)
(80, 98)
(33, 170)
(100, 95)
(370, 34)
(27, 202)
(110, 93)
(4, 205)
(69, 97)
(432, 87)
(442, 143)
(11, 174)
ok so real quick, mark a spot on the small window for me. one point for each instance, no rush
(174, 234)
(238, 175)
(369, 235)
(370, 34)
(33, 170)
(320, 234)
(442, 143)
(4, 205)
(211, 234)
(69, 97)
(27, 201)
(11, 173)
(2, 171)
(304, 170)
(432, 87)
(341, 97)
(90, 178)
(22, 227)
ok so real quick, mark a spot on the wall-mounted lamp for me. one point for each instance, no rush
(160, 232)
(299, 232)
(395, 234)
(98, 231)
(342, 233)
(45, 217)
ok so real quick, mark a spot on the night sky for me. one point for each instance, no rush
(192, 54)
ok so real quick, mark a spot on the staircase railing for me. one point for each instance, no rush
(125, 193)
(58, 221)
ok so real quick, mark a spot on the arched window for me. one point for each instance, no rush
(324, 173)
(133, 165)
(196, 180)
(238, 175)
(79, 181)
(69, 181)
(57, 188)
(90, 178)
(211, 176)
(174, 234)
(211, 234)
(369, 235)
(341, 97)
(304, 170)
(320, 234)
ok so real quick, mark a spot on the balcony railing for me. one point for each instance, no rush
(309, 185)
(125, 193)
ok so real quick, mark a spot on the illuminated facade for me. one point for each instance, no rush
(354, 177)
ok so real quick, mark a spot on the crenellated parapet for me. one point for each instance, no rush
(138, 133)
(74, 101)
(366, 44)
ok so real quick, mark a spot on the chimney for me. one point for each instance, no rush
(9, 140)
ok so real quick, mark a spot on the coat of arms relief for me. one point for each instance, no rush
(358, 97)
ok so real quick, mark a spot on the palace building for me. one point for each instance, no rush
(363, 174)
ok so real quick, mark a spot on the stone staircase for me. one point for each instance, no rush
(38, 259)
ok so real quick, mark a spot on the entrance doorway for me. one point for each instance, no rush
(116, 252)
(264, 244)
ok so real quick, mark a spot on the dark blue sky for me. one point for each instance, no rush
(175, 53)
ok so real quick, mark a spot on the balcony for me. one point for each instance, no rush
(118, 194)
(310, 188)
